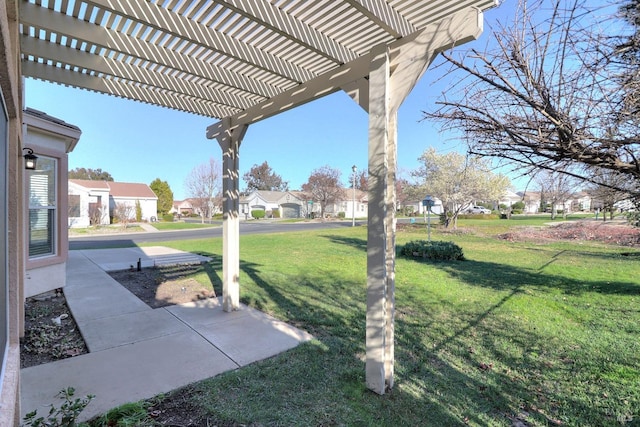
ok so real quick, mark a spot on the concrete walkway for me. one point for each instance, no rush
(136, 352)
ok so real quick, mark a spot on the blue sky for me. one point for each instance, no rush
(136, 142)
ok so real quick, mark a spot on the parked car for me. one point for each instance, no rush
(478, 210)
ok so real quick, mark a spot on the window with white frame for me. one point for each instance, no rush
(43, 208)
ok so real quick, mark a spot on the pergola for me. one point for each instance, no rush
(241, 61)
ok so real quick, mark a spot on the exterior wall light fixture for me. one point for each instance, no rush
(29, 159)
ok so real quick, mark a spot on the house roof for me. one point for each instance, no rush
(218, 58)
(91, 184)
(118, 189)
(43, 121)
(131, 189)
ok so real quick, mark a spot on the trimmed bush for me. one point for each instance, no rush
(257, 214)
(342, 215)
(633, 218)
(167, 217)
(434, 250)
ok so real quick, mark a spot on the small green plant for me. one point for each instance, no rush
(64, 416)
(257, 214)
(434, 250)
(167, 217)
(133, 414)
(342, 215)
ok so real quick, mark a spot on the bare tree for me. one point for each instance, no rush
(124, 213)
(324, 187)
(556, 189)
(605, 195)
(545, 97)
(95, 214)
(204, 186)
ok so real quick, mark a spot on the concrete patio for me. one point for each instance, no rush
(136, 352)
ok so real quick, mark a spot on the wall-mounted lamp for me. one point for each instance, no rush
(29, 159)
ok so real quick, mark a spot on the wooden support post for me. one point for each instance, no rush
(229, 141)
(394, 71)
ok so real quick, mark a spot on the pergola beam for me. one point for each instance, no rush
(385, 15)
(279, 21)
(111, 67)
(120, 88)
(323, 85)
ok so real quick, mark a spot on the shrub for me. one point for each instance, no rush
(518, 206)
(257, 214)
(633, 218)
(65, 415)
(434, 250)
(167, 217)
(342, 215)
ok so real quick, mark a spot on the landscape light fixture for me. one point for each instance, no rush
(29, 159)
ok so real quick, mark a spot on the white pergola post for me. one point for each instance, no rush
(394, 71)
(229, 141)
(381, 218)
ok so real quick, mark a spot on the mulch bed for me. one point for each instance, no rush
(51, 332)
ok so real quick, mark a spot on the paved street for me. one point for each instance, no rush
(250, 227)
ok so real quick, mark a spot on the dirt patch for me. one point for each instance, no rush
(165, 285)
(51, 332)
(610, 233)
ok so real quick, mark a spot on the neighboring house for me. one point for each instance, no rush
(531, 201)
(88, 203)
(289, 204)
(45, 186)
(96, 202)
(129, 194)
(581, 202)
(509, 198)
(182, 207)
(346, 204)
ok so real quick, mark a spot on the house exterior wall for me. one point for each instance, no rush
(13, 228)
(149, 207)
(88, 196)
(45, 273)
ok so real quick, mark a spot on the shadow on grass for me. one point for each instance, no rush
(453, 372)
(504, 277)
(360, 244)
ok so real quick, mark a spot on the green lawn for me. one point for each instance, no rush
(179, 225)
(547, 333)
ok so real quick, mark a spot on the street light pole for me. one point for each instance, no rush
(354, 169)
